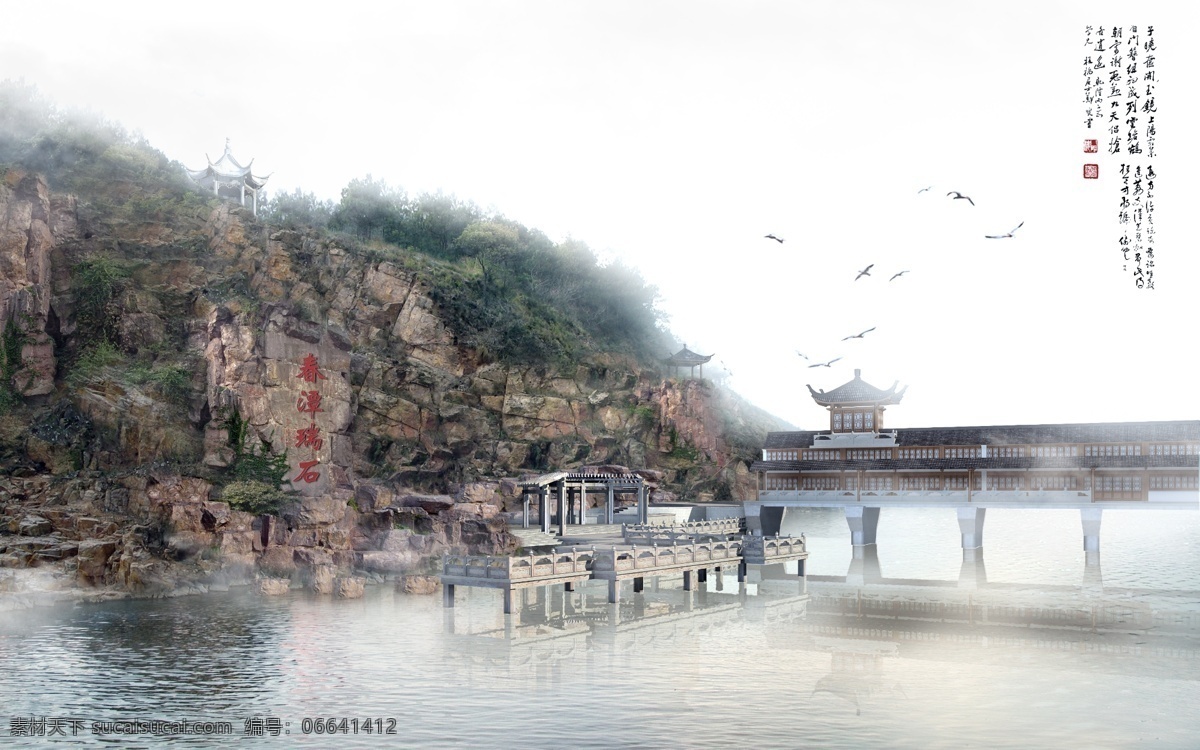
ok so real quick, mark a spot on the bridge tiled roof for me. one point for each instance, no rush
(1071, 463)
(1096, 432)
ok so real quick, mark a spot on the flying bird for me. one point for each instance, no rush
(773, 237)
(824, 364)
(1002, 236)
(897, 275)
(859, 335)
(924, 189)
(865, 272)
(802, 356)
(958, 195)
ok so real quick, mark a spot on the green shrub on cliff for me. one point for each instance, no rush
(254, 497)
(96, 282)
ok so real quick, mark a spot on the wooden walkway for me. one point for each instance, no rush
(616, 564)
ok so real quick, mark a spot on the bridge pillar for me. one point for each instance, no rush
(447, 594)
(742, 571)
(1091, 528)
(614, 591)
(639, 585)
(863, 523)
(970, 523)
(544, 509)
(643, 505)
(687, 580)
(508, 601)
(612, 501)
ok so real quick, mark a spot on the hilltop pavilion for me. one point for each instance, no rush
(687, 358)
(227, 178)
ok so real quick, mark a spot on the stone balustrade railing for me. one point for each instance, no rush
(675, 555)
(716, 526)
(523, 567)
(767, 547)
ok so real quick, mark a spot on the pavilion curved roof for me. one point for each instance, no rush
(687, 358)
(858, 392)
(227, 170)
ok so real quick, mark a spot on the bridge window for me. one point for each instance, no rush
(962, 452)
(818, 482)
(1053, 482)
(780, 483)
(1053, 451)
(1173, 482)
(918, 453)
(1114, 449)
(923, 483)
(1006, 451)
(1004, 482)
(956, 482)
(1175, 449)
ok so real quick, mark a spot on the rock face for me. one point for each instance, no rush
(401, 444)
(273, 586)
(29, 220)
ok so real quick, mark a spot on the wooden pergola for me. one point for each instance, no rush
(569, 487)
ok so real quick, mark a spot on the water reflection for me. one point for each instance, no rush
(552, 627)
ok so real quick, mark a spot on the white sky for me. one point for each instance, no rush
(675, 135)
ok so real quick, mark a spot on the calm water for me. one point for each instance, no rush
(1037, 649)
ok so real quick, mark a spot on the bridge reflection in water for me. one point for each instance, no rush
(864, 620)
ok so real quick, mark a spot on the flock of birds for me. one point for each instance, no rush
(955, 195)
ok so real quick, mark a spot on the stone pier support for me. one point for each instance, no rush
(863, 523)
(970, 523)
(742, 571)
(687, 580)
(639, 585)
(447, 594)
(614, 591)
(1091, 528)
(508, 601)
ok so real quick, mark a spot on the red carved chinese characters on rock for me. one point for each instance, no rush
(309, 437)
(308, 370)
(307, 474)
(309, 403)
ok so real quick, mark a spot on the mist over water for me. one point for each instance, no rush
(1045, 652)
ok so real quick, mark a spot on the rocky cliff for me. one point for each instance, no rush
(149, 367)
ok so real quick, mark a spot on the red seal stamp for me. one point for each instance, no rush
(1091, 171)
(1090, 146)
